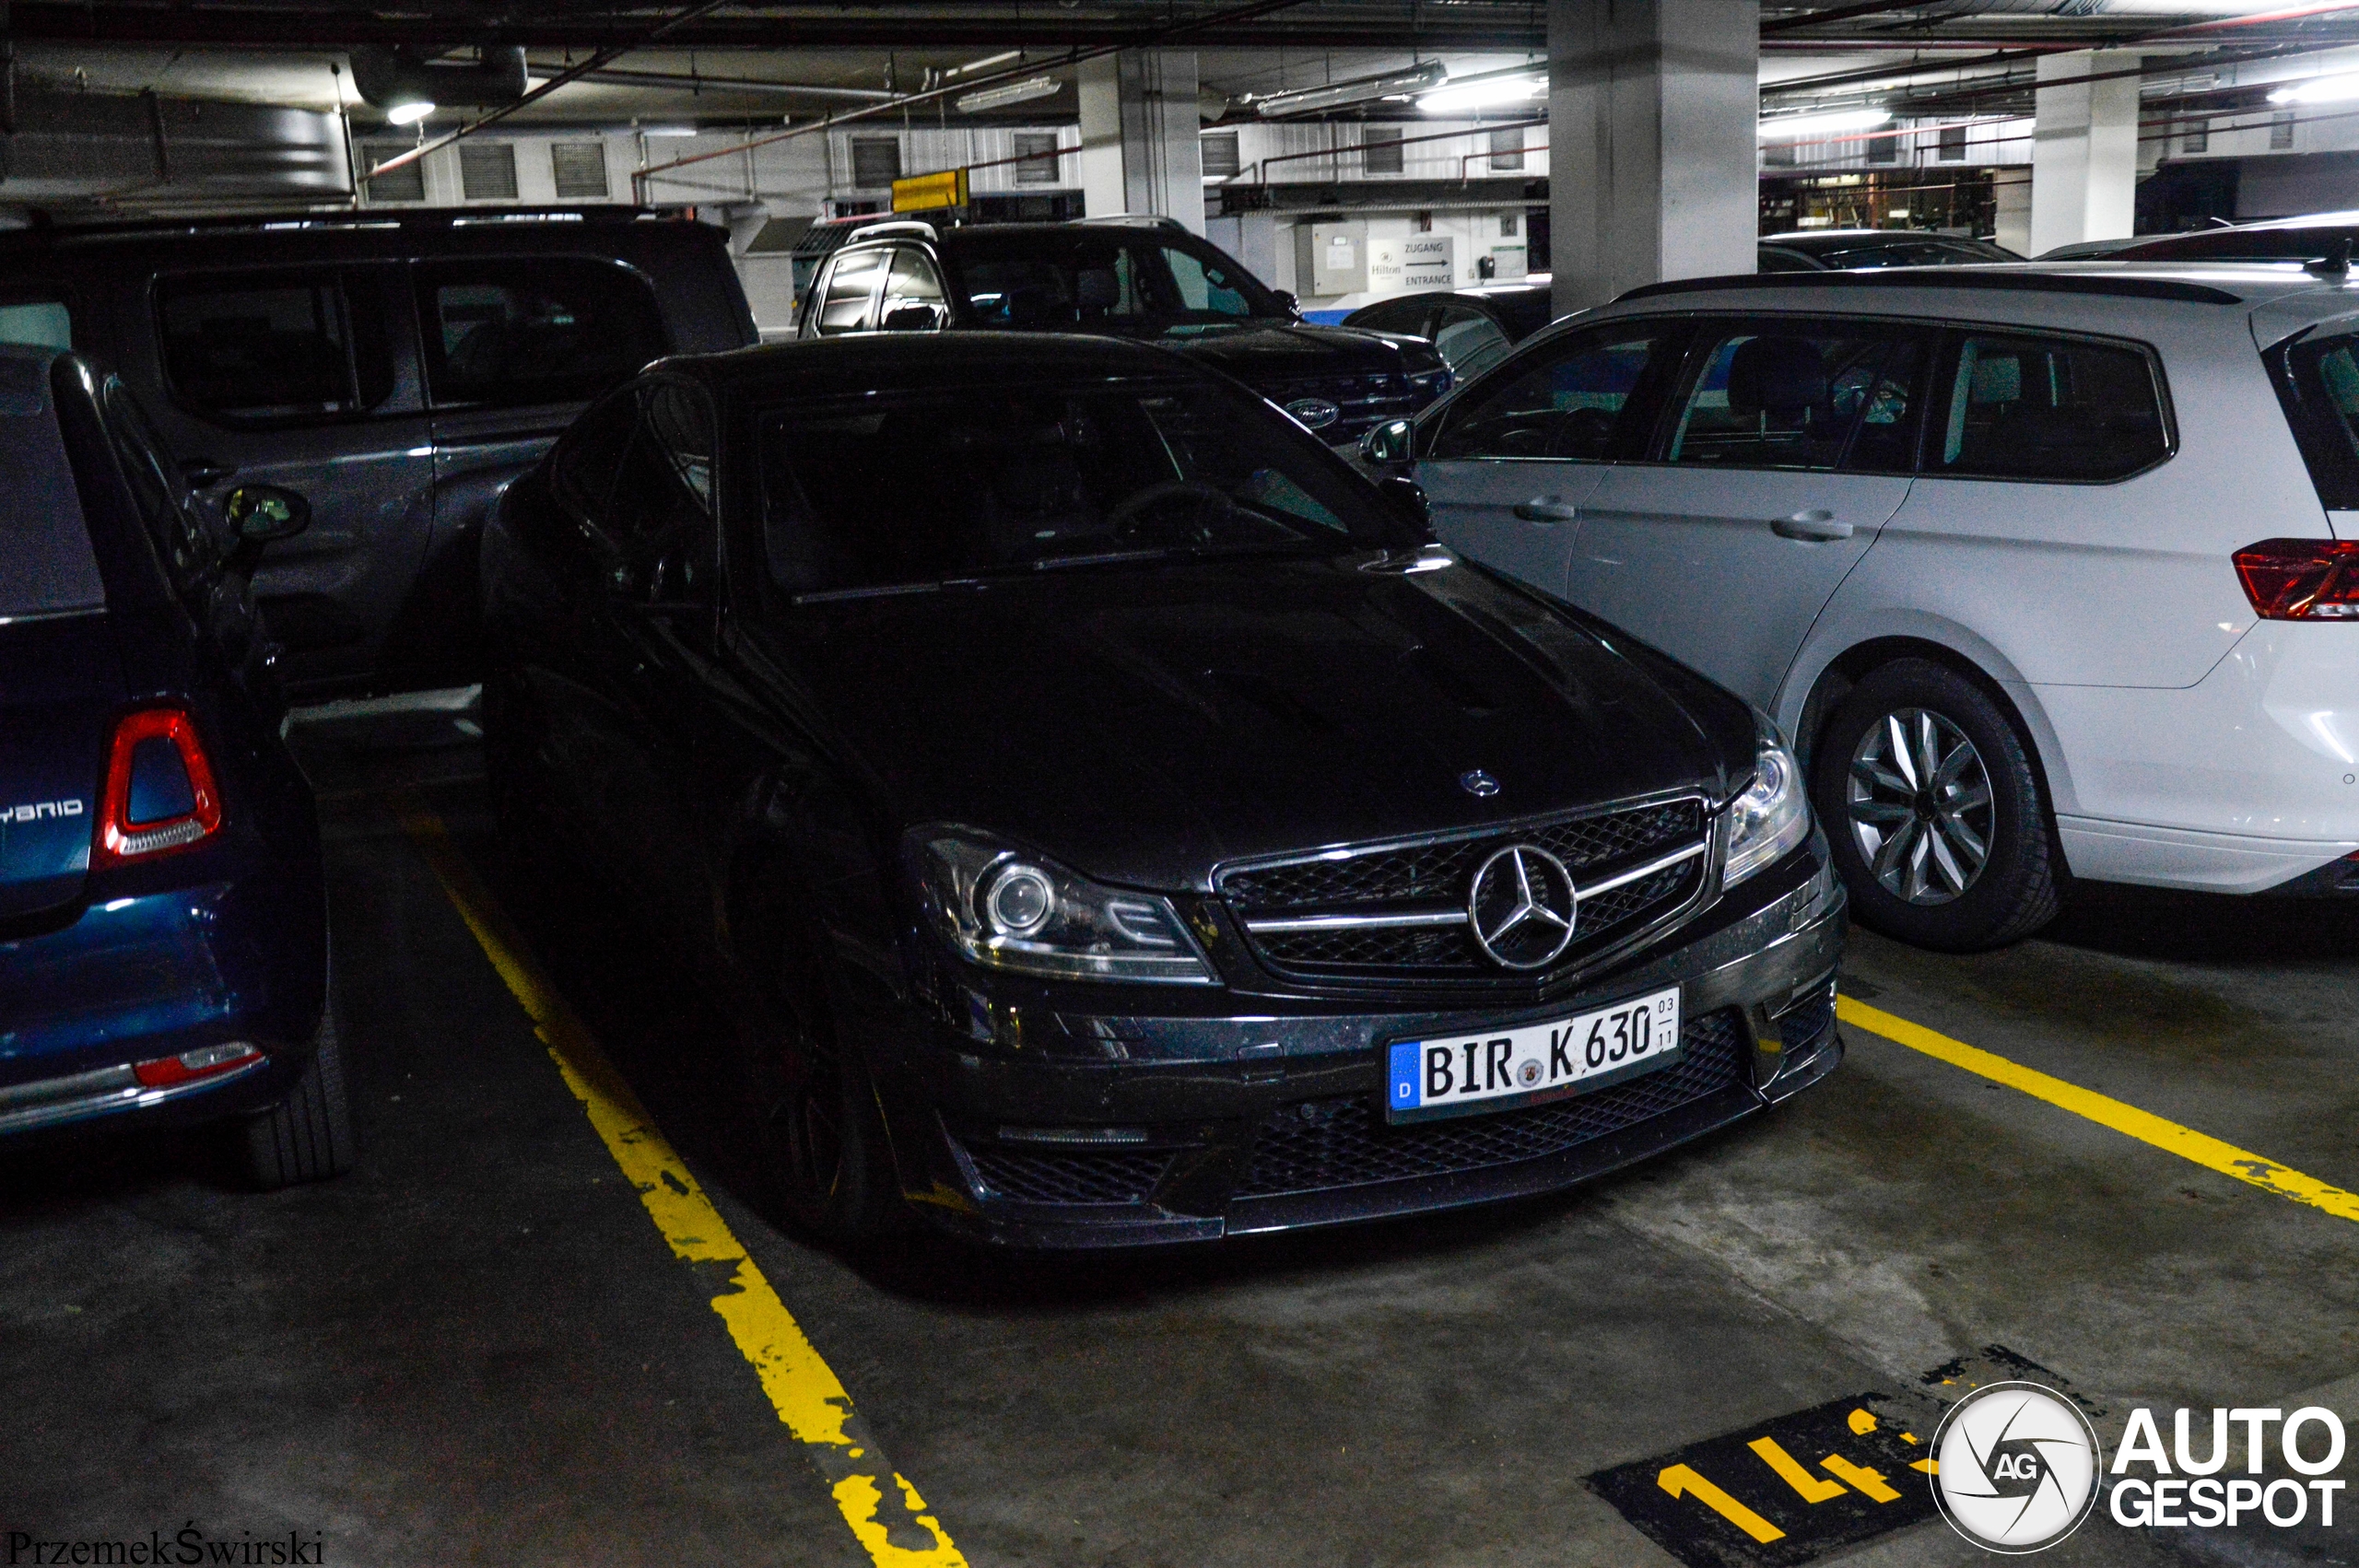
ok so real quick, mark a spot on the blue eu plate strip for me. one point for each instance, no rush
(1402, 1090)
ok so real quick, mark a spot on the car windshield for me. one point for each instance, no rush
(1104, 280)
(915, 489)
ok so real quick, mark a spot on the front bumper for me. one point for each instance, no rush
(1079, 1128)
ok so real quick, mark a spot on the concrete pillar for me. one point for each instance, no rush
(2010, 196)
(2083, 149)
(1139, 146)
(1652, 113)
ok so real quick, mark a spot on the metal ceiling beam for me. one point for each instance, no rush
(1500, 25)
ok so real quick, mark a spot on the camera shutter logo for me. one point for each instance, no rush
(2019, 1465)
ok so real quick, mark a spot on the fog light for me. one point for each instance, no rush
(206, 1061)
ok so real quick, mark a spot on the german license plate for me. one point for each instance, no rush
(1531, 1062)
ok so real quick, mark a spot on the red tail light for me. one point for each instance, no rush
(203, 1062)
(2302, 579)
(196, 814)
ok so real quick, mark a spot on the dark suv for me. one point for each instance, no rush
(1145, 278)
(396, 371)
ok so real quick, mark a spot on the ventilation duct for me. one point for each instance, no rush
(388, 78)
(80, 148)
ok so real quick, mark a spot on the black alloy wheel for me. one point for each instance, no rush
(1934, 812)
(820, 1136)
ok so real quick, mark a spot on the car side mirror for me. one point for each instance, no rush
(1389, 445)
(1285, 298)
(1408, 498)
(916, 318)
(262, 514)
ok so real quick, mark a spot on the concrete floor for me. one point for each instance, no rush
(477, 1347)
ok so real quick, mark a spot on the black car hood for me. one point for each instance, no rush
(1144, 727)
(1267, 351)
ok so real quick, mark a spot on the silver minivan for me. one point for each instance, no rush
(2046, 570)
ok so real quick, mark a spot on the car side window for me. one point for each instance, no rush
(658, 516)
(2028, 406)
(512, 332)
(1773, 258)
(1410, 317)
(581, 471)
(913, 279)
(850, 284)
(1468, 341)
(1206, 288)
(1581, 397)
(37, 317)
(1781, 394)
(189, 553)
(277, 347)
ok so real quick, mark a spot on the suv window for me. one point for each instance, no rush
(1045, 280)
(273, 345)
(2318, 382)
(509, 333)
(851, 285)
(1796, 395)
(42, 320)
(1579, 397)
(2020, 406)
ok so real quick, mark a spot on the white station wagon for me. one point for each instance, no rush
(2043, 568)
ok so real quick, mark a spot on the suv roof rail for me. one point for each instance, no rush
(2012, 276)
(907, 227)
(1137, 220)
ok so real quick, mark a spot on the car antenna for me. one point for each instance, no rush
(2335, 263)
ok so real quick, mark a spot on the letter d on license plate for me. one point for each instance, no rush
(1531, 1062)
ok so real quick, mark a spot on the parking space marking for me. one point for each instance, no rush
(882, 1509)
(2105, 1111)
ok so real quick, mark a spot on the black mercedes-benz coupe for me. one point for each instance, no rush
(1113, 819)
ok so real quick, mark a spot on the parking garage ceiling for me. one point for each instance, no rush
(752, 64)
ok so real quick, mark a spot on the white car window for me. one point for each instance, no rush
(2027, 407)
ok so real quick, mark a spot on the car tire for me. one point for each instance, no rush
(1904, 834)
(308, 1135)
(826, 1157)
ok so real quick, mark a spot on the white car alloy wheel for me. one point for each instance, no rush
(1919, 806)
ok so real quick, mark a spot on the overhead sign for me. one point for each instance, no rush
(925, 193)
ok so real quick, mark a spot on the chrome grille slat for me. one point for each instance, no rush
(1399, 911)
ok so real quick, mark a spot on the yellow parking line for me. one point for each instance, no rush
(2105, 1111)
(808, 1398)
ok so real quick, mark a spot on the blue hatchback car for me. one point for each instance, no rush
(163, 919)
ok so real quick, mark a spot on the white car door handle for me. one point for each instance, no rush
(1547, 508)
(1819, 526)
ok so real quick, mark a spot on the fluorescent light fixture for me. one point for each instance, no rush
(2319, 90)
(1497, 93)
(667, 130)
(411, 112)
(1788, 127)
(1340, 95)
(1023, 91)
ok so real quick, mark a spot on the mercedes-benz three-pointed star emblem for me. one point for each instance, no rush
(1523, 907)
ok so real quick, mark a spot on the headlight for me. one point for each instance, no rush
(1005, 909)
(1771, 817)
(1432, 382)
